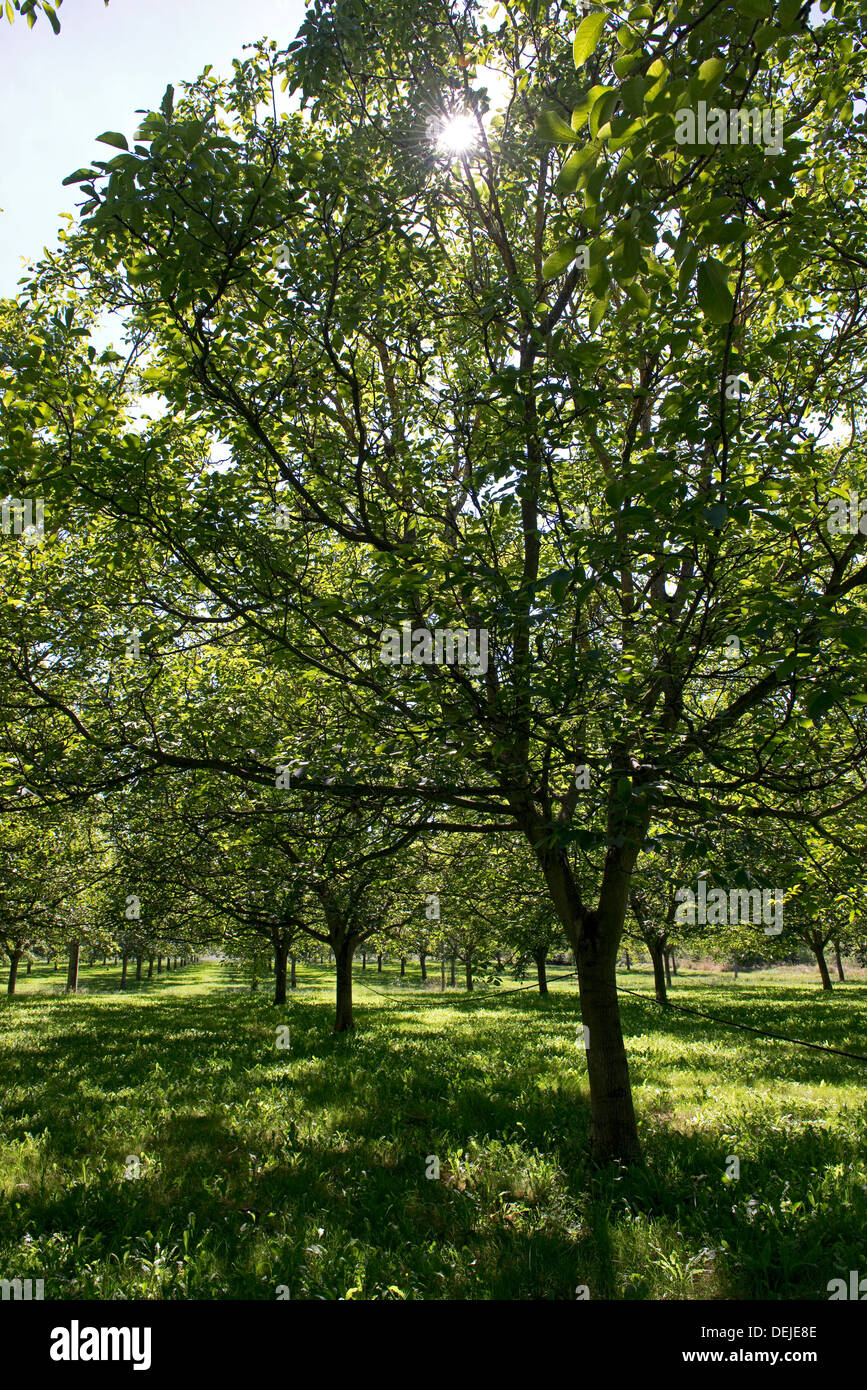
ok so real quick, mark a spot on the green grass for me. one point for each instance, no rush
(305, 1168)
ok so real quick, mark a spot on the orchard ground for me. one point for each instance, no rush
(300, 1171)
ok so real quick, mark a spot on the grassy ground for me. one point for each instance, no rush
(263, 1168)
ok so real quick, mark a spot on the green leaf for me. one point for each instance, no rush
(687, 270)
(714, 295)
(79, 176)
(570, 173)
(52, 17)
(587, 37)
(717, 515)
(711, 71)
(113, 137)
(550, 126)
(167, 105)
(597, 313)
(558, 260)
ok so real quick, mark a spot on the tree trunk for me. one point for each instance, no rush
(443, 974)
(468, 965)
(613, 1131)
(30, 962)
(344, 1022)
(72, 972)
(280, 962)
(138, 965)
(628, 961)
(293, 982)
(13, 970)
(595, 938)
(656, 954)
(819, 951)
(150, 967)
(123, 972)
(673, 959)
(159, 965)
(379, 964)
(539, 957)
(422, 960)
(452, 981)
(837, 957)
(364, 960)
(57, 965)
(667, 964)
(402, 966)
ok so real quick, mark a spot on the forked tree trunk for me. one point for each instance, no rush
(72, 972)
(595, 938)
(539, 957)
(13, 970)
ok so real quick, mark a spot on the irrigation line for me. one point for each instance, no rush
(745, 1027)
(648, 998)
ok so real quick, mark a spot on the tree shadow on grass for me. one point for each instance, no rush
(258, 1151)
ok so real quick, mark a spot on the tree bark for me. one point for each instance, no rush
(443, 974)
(673, 959)
(159, 965)
(364, 960)
(667, 964)
(72, 972)
(422, 960)
(379, 964)
(150, 967)
(30, 962)
(539, 957)
(452, 981)
(402, 966)
(837, 957)
(468, 965)
(138, 965)
(14, 958)
(628, 961)
(293, 982)
(123, 971)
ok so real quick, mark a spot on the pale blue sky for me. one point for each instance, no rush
(57, 93)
